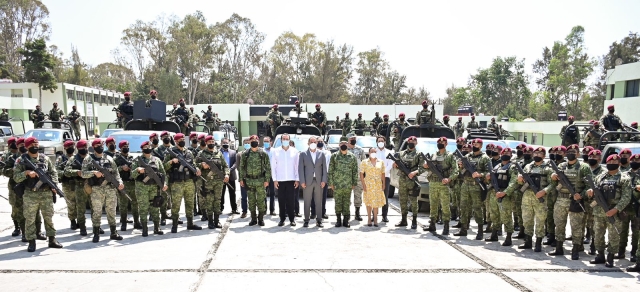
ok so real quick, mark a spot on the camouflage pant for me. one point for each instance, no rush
(517, 206)
(69, 190)
(357, 195)
(486, 211)
(342, 199)
(144, 193)
(439, 195)
(210, 125)
(202, 201)
(183, 129)
(455, 198)
(600, 226)
(576, 219)
(470, 202)
(256, 194)
(81, 202)
(38, 201)
(404, 195)
(588, 216)
(273, 132)
(501, 213)
(533, 212)
(627, 217)
(550, 199)
(180, 190)
(123, 202)
(76, 130)
(103, 196)
(17, 211)
(166, 205)
(213, 199)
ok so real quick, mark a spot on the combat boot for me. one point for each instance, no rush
(96, 234)
(136, 224)
(488, 229)
(339, 220)
(114, 233)
(462, 231)
(454, 213)
(24, 235)
(507, 240)
(575, 253)
(100, 230)
(32, 245)
(635, 268)
(493, 236)
(358, 214)
(39, 235)
(414, 222)
(609, 263)
(403, 222)
(16, 230)
(445, 229)
(458, 225)
(345, 221)
(551, 240)
(210, 224)
(123, 225)
(587, 237)
(191, 226)
(559, 250)
(599, 259)
(516, 225)
(145, 230)
(83, 230)
(527, 243)
(621, 252)
(204, 217)
(538, 247)
(431, 228)
(163, 219)
(261, 219)
(156, 229)
(319, 223)
(521, 233)
(254, 219)
(174, 227)
(74, 225)
(480, 233)
(592, 247)
(53, 243)
(216, 221)
(634, 249)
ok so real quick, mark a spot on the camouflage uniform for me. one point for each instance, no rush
(319, 117)
(343, 177)
(75, 123)
(635, 199)
(439, 194)
(37, 201)
(181, 116)
(563, 206)
(501, 212)
(210, 121)
(517, 197)
(406, 192)
(212, 190)
(533, 211)
(145, 191)
(458, 127)
(628, 217)
(182, 185)
(122, 160)
(591, 140)
(55, 114)
(103, 193)
(275, 119)
(4, 116)
(255, 170)
(346, 125)
(383, 128)
(358, 152)
(611, 122)
(423, 117)
(493, 127)
(359, 123)
(618, 198)
(37, 116)
(470, 199)
(473, 125)
(16, 202)
(375, 122)
(71, 170)
(160, 152)
(397, 132)
(127, 108)
(68, 186)
(569, 140)
(588, 218)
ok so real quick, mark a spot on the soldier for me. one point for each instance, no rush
(569, 133)
(628, 215)
(36, 199)
(173, 110)
(181, 116)
(343, 177)
(161, 152)
(212, 189)
(4, 116)
(625, 155)
(209, 119)
(359, 123)
(636, 137)
(338, 123)
(153, 138)
(73, 170)
(37, 116)
(611, 121)
(445, 120)
(594, 158)
(73, 117)
(123, 160)
(585, 153)
(68, 185)
(358, 152)
(493, 126)
(439, 190)
(102, 194)
(111, 147)
(319, 119)
(556, 154)
(457, 182)
(194, 119)
(297, 108)
(494, 157)
(458, 127)
(181, 182)
(570, 204)
(383, 128)
(56, 115)
(255, 172)
(153, 95)
(396, 129)
(634, 174)
(473, 124)
(615, 186)
(501, 199)
(146, 188)
(534, 210)
(126, 109)
(377, 120)
(346, 124)
(16, 202)
(470, 200)
(407, 191)
(425, 116)
(275, 119)
(218, 122)
(593, 135)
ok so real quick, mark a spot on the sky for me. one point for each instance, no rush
(434, 43)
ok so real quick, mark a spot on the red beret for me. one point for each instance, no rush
(442, 139)
(208, 138)
(561, 148)
(468, 146)
(505, 150)
(460, 139)
(20, 141)
(521, 146)
(401, 114)
(68, 143)
(359, 114)
(201, 137)
(153, 92)
(81, 144)
(346, 113)
(540, 149)
(30, 141)
(634, 124)
(412, 138)
(153, 135)
(127, 93)
(635, 156)
(476, 140)
(317, 104)
(181, 100)
(459, 118)
(385, 116)
(109, 140)
(610, 107)
(613, 157)
(178, 136)
(424, 102)
(587, 149)
(490, 145)
(11, 140)
(96, 142)
(297, 102)
(175, 104)
(192, 135)
(254, 137)
(124, 143)
(275, 105)
(145, 143)
(529, 149)
(445, 117)
(595, 152)
(626, 151)
(498, 147)
(553, 149)
(574, 147)
(164, 133)
(596, 123)
(572, 117)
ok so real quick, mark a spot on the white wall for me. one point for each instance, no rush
(626, 108)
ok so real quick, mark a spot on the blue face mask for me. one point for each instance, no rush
(267, 145)
(247, 146)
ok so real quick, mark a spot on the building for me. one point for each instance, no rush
(623, 84)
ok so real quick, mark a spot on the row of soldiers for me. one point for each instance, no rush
(55, 115)
(570, 134)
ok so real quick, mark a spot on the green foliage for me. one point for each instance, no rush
(37, 64)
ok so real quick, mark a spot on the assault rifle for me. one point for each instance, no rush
(434, 168)
(184, 163)
(43, 177)
(528, 182)
(151, 174)
(471, 169)
(564, 180)
(601, 201)
(126, 116)
(636, 203)
(109, 177)
(396, 158)
(208, 116)
(214, 169)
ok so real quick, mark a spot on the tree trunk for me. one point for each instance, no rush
(40, 98)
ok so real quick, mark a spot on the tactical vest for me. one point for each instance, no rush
(502, 173)
(319, 117)
(473, 160)
(60, 163)
(538, 177)
(154, 165)
(384, 128)
(346, 123)
(77, 166)
(127, 108)
(458, 126)
(408, 157)
(54, 114)
(123, 160)
(182, 116)
(105, 163)
(439, 161)
(573, 174)
(30, 182)
(611, 123)
(609, 188)
(425, 117)
(275, 117)
(209, 117)
(216, 158)
(179, 173)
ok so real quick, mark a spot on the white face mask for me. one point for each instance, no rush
(372, 156)
(285, 143)
(313, 146)
(380, 145)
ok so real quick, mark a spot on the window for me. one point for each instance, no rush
(633, 87)
(534, 138)
(613, 90)
(70, 94)
(103, 99)
(16, 93)
(117, 101)
(98, 99)
(95, 98)
(80, 95)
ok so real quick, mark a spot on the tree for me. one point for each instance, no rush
(21, 21)
(371, 69)
(37, 64)
(78, 72)
(4, 71)
(113, 77)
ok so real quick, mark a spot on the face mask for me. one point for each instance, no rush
(352, 142)
(247, 146)
(182, 105)
(127, 98)
(267, 145)
(552, 156)
(254, 144)
(203, 143)
(147, 151)
(33, 150)
(459, 147)
(153, 97)
(285, 143)
(440, 146)
(584, 157)
(571, 157)
(13, 146)
(99, 149)
(489, 152)
(155, 141)
(70, 150)
(225, 146)
(372, 156)
(317, 109)
(475, 149)
(124, 150)
(612, 111)
(624, 160)
(411, 145)
(519, 153)
(320, 145)
(182, 143)
(275, 109)
(343, 147)
(527, 156)
(386, 119)
(166, 140)
(493, 153)
(559, 157)
(210, 146)
(570, 122)
(380, 145)
(82, 151)
(610, 167)
(593, 162)
(112, 147)
(313, 146)
(464, 152)
(537, 159)
(402, 119)
(23, 149)
(635, 165)
(505, 157)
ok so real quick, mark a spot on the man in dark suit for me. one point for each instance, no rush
(243, 190)
(230, 156)
(312, 173)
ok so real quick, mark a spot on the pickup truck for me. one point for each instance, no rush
(615, 148)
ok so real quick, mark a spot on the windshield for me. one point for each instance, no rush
(334, 139)
(429, 146)
(108, 132)
(134, 141)
(301, 142)
(41, 135)
(366, 142)
(218, 136)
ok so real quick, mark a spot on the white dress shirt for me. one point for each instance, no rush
(284, 164)
(388, 163)
(327, 155)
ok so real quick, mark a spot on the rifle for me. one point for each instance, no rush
(126, 116)
(528, 182)
(43, 177)
(434, 168)
(494, 182)
(395, 158)
(184, 163)
(594, 133)
(214, 168)
(470, 169)
(564, 180)
(636, 203)
(601, 201)
(208, 116)
(151, 174)
(109, 177)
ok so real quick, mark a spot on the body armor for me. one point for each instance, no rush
(104, 162)
(177, 172)
(502, 173)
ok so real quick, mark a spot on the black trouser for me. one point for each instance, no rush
(271, 195)
(232, 196)
(296, 194)
(389, 188)
(286, 200)
(324, 202)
